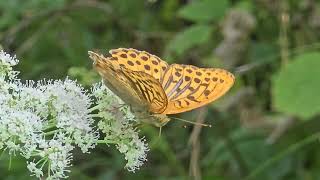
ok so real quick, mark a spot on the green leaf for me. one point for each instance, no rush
(204, 11)
(244, 5)
(296, 88)
(83, 75)
(190, 37)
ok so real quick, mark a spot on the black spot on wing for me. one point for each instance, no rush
(192, 98)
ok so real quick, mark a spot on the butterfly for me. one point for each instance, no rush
(153, 88)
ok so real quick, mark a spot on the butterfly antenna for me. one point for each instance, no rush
(191, 122)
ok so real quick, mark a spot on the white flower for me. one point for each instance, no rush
(6, 63)
(136, 155)
(56, 153)
(7, 59)
(59, 155)
(45, 120)
(66, 103)
(18, 127)
(117, 124)
(34, 169)
(70, 104)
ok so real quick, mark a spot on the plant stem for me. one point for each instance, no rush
(106, 142)
(51, 132)
(95, 115)
(94, 108)
(276, 158)
(283, 39)
(10, 163)
(50, 127)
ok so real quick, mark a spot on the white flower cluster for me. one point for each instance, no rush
(43, 121)
(118, 126)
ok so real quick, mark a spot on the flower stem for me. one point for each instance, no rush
(49, 168)
(106, 142)
(50, 126)
(95, 115)
(51, 132)
(1, 154)
(94, 108)
(10, 163)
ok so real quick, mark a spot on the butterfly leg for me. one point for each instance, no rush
(121, 105)
(131, 109)
(114, 108)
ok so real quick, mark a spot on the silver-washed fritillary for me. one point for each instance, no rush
(149, 85)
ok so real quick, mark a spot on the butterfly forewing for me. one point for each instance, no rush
(141, 61)
(138, 89)
(189, 87)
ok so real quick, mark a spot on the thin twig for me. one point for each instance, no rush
(283, 38)
(194, 142)
(280, 129)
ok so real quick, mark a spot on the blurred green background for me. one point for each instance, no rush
(266, 127)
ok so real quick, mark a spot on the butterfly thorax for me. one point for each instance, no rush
(157, 120)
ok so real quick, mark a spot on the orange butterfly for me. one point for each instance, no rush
(153, 88)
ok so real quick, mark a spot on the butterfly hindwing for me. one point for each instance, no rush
(188, 87)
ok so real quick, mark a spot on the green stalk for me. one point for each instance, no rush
(279, 156)
(106, 142)
(10, 163)
(51, 132)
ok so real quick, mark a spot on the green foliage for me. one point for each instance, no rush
(296, 86)
(86, 77)
(12, 10)
(245, 5)
(204, 11)
(190, 37)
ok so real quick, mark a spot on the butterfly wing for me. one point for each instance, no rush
(149, 89)
(143, 79)
(141, 61)
(188, 87)
(136, 88)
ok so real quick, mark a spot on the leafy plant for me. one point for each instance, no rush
(296, 86)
